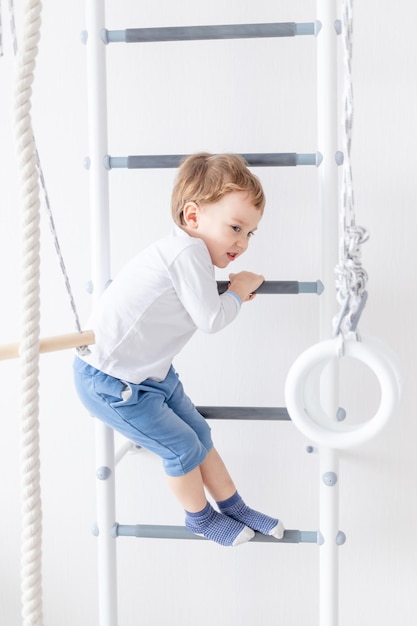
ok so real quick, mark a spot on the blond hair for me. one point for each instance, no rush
(205, 178)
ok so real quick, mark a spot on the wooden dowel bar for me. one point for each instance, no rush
(51, 344)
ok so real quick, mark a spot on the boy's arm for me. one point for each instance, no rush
(193, 278)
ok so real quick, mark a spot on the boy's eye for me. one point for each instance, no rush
(238, 229)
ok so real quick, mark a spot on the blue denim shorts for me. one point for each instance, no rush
(157, 416)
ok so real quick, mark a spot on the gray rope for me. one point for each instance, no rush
(12, 23)
(351, 277)
(55, 239)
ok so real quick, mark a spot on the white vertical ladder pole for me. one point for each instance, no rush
(327, 129)
(100, 260)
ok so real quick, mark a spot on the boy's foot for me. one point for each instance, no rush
(217, 527)
(235, 508)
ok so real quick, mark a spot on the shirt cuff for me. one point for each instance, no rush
(232, 293)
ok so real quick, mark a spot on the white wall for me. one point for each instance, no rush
(245, 96)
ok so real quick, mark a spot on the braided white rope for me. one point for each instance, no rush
(31, 585)
(351, 278)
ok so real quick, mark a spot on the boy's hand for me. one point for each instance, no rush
(244, 284)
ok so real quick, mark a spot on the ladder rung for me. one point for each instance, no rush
(198, 33)
(148, 531)
(287, 287)
(161, 161)
(243, 413)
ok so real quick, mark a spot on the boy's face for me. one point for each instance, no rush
(225, 226)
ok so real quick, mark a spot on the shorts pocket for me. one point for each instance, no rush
(112, 390)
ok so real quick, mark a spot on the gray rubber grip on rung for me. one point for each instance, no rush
(279, 287)
(165, 161)
(244, 413)
(148, 531)
(205, 32)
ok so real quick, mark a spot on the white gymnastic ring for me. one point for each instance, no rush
(302, 392)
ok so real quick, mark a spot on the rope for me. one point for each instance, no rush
(12, 26)
(31, 583)
(351, 278)
(57, 246)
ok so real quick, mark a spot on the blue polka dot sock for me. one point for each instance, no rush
(217, 527)
(236, 508)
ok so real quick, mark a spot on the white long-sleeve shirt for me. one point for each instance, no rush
(155, 305)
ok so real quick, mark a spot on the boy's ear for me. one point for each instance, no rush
(190, 214)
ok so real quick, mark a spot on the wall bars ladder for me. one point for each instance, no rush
(96, 38)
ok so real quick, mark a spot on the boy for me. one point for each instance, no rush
(147, 315)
